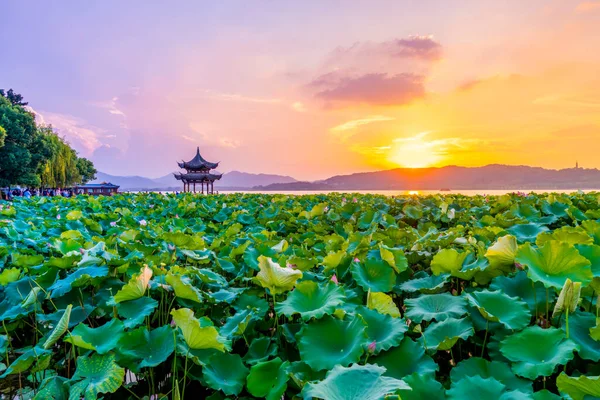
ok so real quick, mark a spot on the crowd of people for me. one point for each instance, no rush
(9, 194)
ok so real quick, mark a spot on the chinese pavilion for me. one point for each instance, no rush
(198, 171)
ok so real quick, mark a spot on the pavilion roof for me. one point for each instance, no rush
(198, 163)
(197, 176)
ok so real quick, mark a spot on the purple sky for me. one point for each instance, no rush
(306, 88)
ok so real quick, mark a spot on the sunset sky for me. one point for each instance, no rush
(311, 88)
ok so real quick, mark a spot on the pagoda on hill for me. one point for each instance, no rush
(198, 171)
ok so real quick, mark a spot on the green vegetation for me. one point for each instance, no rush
(34, 155)
(264, 296)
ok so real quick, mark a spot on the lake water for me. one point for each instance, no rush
(406, 192)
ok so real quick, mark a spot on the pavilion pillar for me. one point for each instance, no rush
(212, 188)
(202, 187)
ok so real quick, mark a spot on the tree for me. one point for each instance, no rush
(23, 149)
(86, 170)
(14, 98)
(35, 155)
(2, 136)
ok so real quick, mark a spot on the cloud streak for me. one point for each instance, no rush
(355, 123)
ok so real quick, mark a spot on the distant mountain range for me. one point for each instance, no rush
(231, 180)
(489, 177)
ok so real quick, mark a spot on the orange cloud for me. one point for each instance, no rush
(588, 6)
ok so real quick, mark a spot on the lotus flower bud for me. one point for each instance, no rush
(372, 347)
(568, 298)
(334, 279)
(356, 259)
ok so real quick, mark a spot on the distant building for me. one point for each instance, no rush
(198, 172)
(104, 188)
(576, 164)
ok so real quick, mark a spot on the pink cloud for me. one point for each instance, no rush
(373, 88)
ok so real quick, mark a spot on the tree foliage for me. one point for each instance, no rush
(34, 155)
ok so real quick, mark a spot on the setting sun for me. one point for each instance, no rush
(417, 151)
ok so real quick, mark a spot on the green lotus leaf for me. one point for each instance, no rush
(545, 395)
(406, 359)
(580, 324)
(553, 263)
(384, 330)
(3, 343)
(358, 382)
(101, 339)
(448, 261)
(311, 300)
(183, 287)
(9, 275)
(53, 388)
(225, 372)
(592, 253)
(135, 311)
(236, 324)
(425, 283)
(519, 285)
(30, 356)
(527, 232)
(579, 388)
(497, 370)
(422, 387)
(199, 334)
(332, 260)
(151, 347)
(530, 361)
(136, 287)
(260, 350)
(435, 306)
(383, 304)
(95, 374)
(80, 277)
(501, 254)
(461, 265)
(475, 388)
(567, 234)
(394, 257)
(373, 274)
(276, 278)
(329, 341)
(60, 328)
(443, 335)
(500, 307)
(268, 379)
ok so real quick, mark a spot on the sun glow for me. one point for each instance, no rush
(417, 151)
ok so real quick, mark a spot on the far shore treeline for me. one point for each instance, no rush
(35, 155)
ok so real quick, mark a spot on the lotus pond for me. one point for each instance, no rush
(323, 296)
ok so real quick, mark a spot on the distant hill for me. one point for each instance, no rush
(233, 180)
(489, 177)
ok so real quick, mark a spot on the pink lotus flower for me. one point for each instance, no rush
(113, 223)
(151, 206)
(143, 222)
(372, 346)
(172, 322)
(58, 216)
(334, 279)
(171, 247)
(82, 250)
(326, 209)
(356, 259)
(355, 200)
(176, 215)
